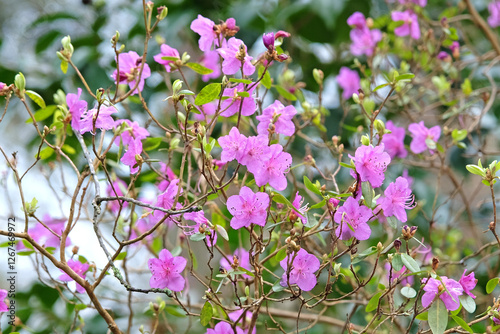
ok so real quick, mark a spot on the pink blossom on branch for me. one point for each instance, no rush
(352, 219)
(3, 304)
(397, 199)
(76, 108)
(167, 271)
(43, 236)
(278, 115)
(224, 328)
(233, 145)
(80, 269)
(371, 164)
(132, 131)
(235, 103)
(256, 152)
(349, 81)
(129, 66)
(103, 119)
(468, 283)
(423, 137)
(117, 188)
(410, 24)
(364, 40)
(205, 28)
(274, 169)
(394, 141)
(421, 3)
(248, 208)
(211, 60)
(449, 296)
(494, 10)
(132, 155)
(241, 257)
(297, 202)
(236, 58)
(167, 51)
(303, 267)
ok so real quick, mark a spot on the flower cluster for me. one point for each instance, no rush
(363, 38)
(448, 290)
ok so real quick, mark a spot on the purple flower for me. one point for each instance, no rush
(167, 51)
(76, 108)
(233, 145)
(166, 271)
(103, 120)
(363, 39)
(371, 164)
(234, 103)
(410, 25)
(207, 110)
(278, 115)
(132, 131)
(468, 283)
(166, 200)
(200, 220)
(256, 151)
(352, 219)
(224, 328)
(236, 58)
(397, 199)
(395, 275)
(117, 188)
(130, 157)
(80, 269)
(394, 141)
(140, 227)
(46, 238)
(129, 66)
(268, 40)
(244, 321)
(167, 176)
(3, 304)
(421, 135)
(297, 202)
(349, 81)
(211, 61)
(274, 169)
(248, 208)
(2, 86)
(434, 287)
(494, 18)
(357, 20)
(243, 260)
(304, 265)
(443, 55)
(205, 28)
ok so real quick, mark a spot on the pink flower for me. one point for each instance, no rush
(207, 110)
(132, 131)
(410, 25)
(44, 237)
(118, 188)
(103, 120)
(248, 208)
(352, 219)
(211, 61)
(397, 199)
(349, 81)
(129, 67)
(449, 297)
(200, 220)
(423, 137)
(80, 269)
(76, 108)
(234, 103)
(304, 265)
(3, 295)
(297, 202)
(363, 39)
(394, 141)
(334, 201)
(357, 20)
(166, 200)
(205, 28)
(166, 271)
(443, 55)
(468, 283)
(224, 328)
(244, 320)
(371, 164)
(494, 18)
(243, 260)
(421, 3)
(274, 169)
(233, 145)
(256, 151)
(167, 51)
(2, 86)
(140, 227)
(167, 176)
(278, 115)
(130, 157)
(232, 53)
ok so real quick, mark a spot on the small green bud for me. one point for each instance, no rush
(181, 117)
(20, 83)
(379, 125)
(365, 140)
(162, 12)
(185, 57)
(318, 76)
(177, 85)
(68, 47)
(355, 97)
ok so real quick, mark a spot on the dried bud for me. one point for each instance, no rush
(397, 244)
(354, 250)
(341, 148)
(335, 140)
(409, 232)
(288, 240)
(156, 307)
(309, 160)
(222, 270)
(75, 250)
(292, 217)
(435, 263)
(292, 232)
(492, 226)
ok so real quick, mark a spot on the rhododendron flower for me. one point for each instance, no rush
(117, 188)
(242, 257)
(297, 202)
(80, 269)
(244, 321)
(167, 51)
(233, 145)
(235, 103)
(443, 55)
(199, 218)
(205, 28)
(304, 265)
(494, 18)
(371, 164)
(167, 176)
(278, 115)
(129, 65)
(248, 208)
(468, 283)
(211, 61)
(103, 120)
(166, 271)
(256, 151)
(363, 39)
(141, 226)
(166, 200)
(274, 169)
(224, 328)
(207, 110)
(395, 275)
(43, 236)
(2, 86)
(132, 131)
(352, 219)
(76, 108)
(421, 3)
(397, 199)
(449, 296)
(394, 141)
(421, 137)
(129, 158)
(3, 295)
(236, 58)
(349, 81)
(410, 25)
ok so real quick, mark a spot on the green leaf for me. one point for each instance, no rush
(222, 232)
(80, 307)
(43, 114)
(410, 263)
(438, 317)
(278, 198)
(206, 313)
(246, 271)
(309, 185)
(373, 303)
(476, 170)
(408, 292)
(243, 81)
(152, 143)
(281, 255)
(367, 191)
(121, 256)
(277, 287)
(491, 285)
(423, 316)
(199, 68)
(243, 94)
(381, 86)
(266, 80)
(286, 94)
(406, 76)
(397, 262)
(46, 153)
(343, 164)
(208, 94)
(36, 98)
(361, 256)
(459, 135)
(68, 149)
(64, 66)
(467, 303)
(27, 244)
(393, 221)
(197, 237)
(170, 58)
(319, 205)
(25, 253)
(175, 311)
(462, 323)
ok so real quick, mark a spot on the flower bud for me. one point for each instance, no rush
(68, 47)
(282, 57)
(318, 76)
(365, 140)
(397, 244)
(435, 263)
(162, 12)
(355, 98)
(268, 40)
(20, 83)
(281, 34)
(380, 247)
(379, 125)
(75, 250)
